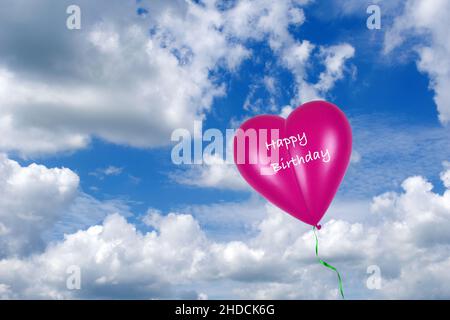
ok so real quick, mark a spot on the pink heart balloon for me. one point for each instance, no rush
(297, 163)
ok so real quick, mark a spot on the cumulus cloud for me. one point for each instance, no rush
(407, 237)
(129, 87)
(115, 80)
(427, 23)
(32, 200)
(420, 240)
(40, 204)
(111, 79)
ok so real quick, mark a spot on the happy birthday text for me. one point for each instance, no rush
(293, 141)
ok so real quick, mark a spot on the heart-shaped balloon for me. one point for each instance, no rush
(297, 163)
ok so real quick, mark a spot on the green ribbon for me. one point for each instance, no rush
(341, 290)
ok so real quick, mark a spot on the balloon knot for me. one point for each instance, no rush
(319, 227)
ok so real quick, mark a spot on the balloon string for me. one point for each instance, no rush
(341, 290)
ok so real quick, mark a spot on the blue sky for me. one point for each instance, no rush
(94, 101)
(400, 97)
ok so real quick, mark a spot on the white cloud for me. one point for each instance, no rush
(286, 111)
(39, 204)
(355, 157)
(406, 235)
(117, 102)
(83, 212)
(32, 200)
(113, 171)
(270, 84)
(119, 83)
(445, 176)
(216, 173)
(114, 80)
(101, 173)
(427, 23)
(334, 60)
